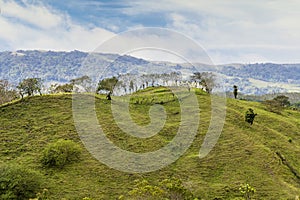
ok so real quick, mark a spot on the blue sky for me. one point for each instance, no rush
(231, 31)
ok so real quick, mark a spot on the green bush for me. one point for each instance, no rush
(60, 153)
(172, 189)
(143, 190)
(277, 104)
(175, 189)
(273, 106)
(18, 183)
(247, 191)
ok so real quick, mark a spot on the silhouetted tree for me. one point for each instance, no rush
(108, 97)
(235, 91)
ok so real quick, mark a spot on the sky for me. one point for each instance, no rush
(230, 31)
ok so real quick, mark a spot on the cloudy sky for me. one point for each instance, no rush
(231, 31)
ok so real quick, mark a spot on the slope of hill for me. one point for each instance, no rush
(243, 154)
(63, 66)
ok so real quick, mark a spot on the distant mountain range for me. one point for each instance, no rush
(61, 67)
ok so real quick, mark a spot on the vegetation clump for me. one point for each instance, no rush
(250, 115)
(247, 191)
(30, 86)
(7, 94)
(277, 104)
(60, 153)
(18, 183)
(172, 188)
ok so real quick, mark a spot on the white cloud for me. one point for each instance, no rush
(34, 26)
(244, 28)
(39, 16)
(231, 30)
(156, 44)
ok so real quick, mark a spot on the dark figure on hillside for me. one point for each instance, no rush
(235, 91)
(108, 97)
(250, 115)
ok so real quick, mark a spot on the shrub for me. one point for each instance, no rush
(282, 100)
(144, 190)
(249, 116)
(273, 106)
(60, 153)
(43, 195)
(277, 104)
(247, 191)
(18, 183)
(175, 189)
(172, 189)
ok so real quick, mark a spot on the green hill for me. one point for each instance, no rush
(243, 154)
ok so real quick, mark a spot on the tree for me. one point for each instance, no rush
(205, 79)
(68, 87)
(273, 106)
(250, 115)
(30, 86)
(277, 104)
(6, 93)
(235, 91)
(107, 84)
(282, 100)
(131, 86)
(84, 81)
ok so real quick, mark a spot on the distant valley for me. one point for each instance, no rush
(61, 67)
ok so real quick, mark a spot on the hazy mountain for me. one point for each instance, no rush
(64, 66)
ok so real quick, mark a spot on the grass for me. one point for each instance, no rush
(243, 154)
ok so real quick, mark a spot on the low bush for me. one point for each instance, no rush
(18, 183)
(175, 189)
(172, 189)
(60, 153)
(247, 191)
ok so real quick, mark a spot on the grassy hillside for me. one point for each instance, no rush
(243, 154)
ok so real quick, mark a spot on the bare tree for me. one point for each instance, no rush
(7, 94)
(205, 79)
